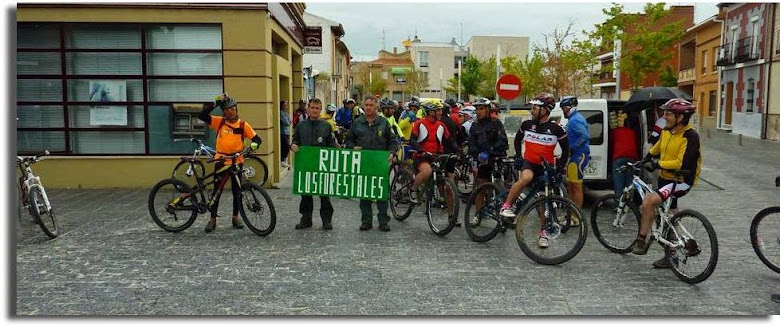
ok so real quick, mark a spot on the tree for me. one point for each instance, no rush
(668, 77)
(567, 61)
(369, 83)
(415, 81)
(529, 71)
(645, 44)
(487, 73)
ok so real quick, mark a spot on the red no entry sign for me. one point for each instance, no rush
(508, 86)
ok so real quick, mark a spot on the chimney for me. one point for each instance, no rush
(395, 50)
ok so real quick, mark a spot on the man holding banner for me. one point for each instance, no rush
(372, 132)
(314, 132)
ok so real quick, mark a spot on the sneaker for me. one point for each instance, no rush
(543, 242)
(366, 226)
(641, 245)
(415, 196)
(237, 224)
(285, 165)
(474, 222)
(662, 263)
(327, 226)
(303, 224)
(508, 212)
(212, 224)
(458, 224)
(384, 227)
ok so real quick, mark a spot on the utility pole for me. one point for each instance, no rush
(460, 65)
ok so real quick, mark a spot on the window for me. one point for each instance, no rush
(422, 58)
(704, 62)
(755, 33)
(384, 75)
(424, 76)
(713, 61)
(57, 86)
(734, 41)
(750, 95)
(711, 104)
(595, 121)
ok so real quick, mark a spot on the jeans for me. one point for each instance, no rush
(366, 212)
(285, 146)
(620, 180)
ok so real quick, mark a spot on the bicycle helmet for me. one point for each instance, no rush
(395, 103)
(228, 103)
(349, 101)
(385, 103)
(331, 107)
(451, 102)
(431, 105)
(544, 101)
(481, 102)
(679, 106)
(414, 102)
(569, 102)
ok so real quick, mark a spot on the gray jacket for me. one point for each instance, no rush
(313, 133)
(377, 136)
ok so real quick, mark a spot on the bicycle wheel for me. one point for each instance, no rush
(255, 171)
(565, 240)
(696, 260)
(43, 216)
(172, 205)
(616, 233)
(185, 171)
(765, 237)
(464, 178)
(257, 209)
(442, 205)
(484, 223)
(400, 194)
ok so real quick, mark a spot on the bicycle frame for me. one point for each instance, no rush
(29, 181)
(663, 211)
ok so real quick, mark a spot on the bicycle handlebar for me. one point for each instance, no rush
(34, 158)
(246, 151)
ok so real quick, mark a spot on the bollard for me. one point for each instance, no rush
(739, 139)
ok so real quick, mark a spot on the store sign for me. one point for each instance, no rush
(342, 173)
(312, 40)
(107, 91)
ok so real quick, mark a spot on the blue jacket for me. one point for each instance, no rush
(344, 117)
(578, 133)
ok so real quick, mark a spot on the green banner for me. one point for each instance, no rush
(342, 173)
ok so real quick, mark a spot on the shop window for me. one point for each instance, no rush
(37, 36)
(184, 37)
(751, 90)
(103, 63)
(711, 105)
(38, 90)
(107, 142)
(40, 116)
(184, 64)
(38, 63)
(86, 116)
(178, 90)
(98, 36)
(37, 141)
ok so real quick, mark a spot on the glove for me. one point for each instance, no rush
(651, 165)
(254, 146)
(483, 156)
(218, 100)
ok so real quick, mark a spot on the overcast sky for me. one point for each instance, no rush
(441, 21)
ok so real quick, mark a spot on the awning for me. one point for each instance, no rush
(399, 70)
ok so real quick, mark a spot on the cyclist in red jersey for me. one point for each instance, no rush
(429, 135)
(539, 135)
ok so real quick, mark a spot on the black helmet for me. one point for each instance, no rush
(451, 102)
(544, 101)
(385, 103)
(414, 102)
(569, 102)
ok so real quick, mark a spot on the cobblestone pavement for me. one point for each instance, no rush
(112, 259)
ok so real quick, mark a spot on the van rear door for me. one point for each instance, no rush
(595, 113)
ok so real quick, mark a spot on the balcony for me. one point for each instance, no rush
(686, 76)
(724, 55)
(747, 49)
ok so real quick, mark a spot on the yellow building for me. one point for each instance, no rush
(107, 88)
(698, 73)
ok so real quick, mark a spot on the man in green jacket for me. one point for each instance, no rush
(372, 132)
(314, 132)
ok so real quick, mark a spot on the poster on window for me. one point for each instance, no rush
(108, 91)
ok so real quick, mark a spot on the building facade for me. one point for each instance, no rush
(389, 67)
(108, 89)
(438, 61)
(772, 122)
(333, 62)
(744, 57)
(698, 74)
(616, 84)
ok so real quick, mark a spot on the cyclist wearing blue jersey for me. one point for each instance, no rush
(579, 143)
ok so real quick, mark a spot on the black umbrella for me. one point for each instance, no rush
(650, 97)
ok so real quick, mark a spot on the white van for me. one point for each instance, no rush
(598, 173)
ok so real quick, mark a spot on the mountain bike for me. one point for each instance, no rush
(464, 174)
(255, 169)
(765, 235)
(558, 217)
(34, 197)
(693, 253)
(174, 204)
(485, 222)
(440, 194)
